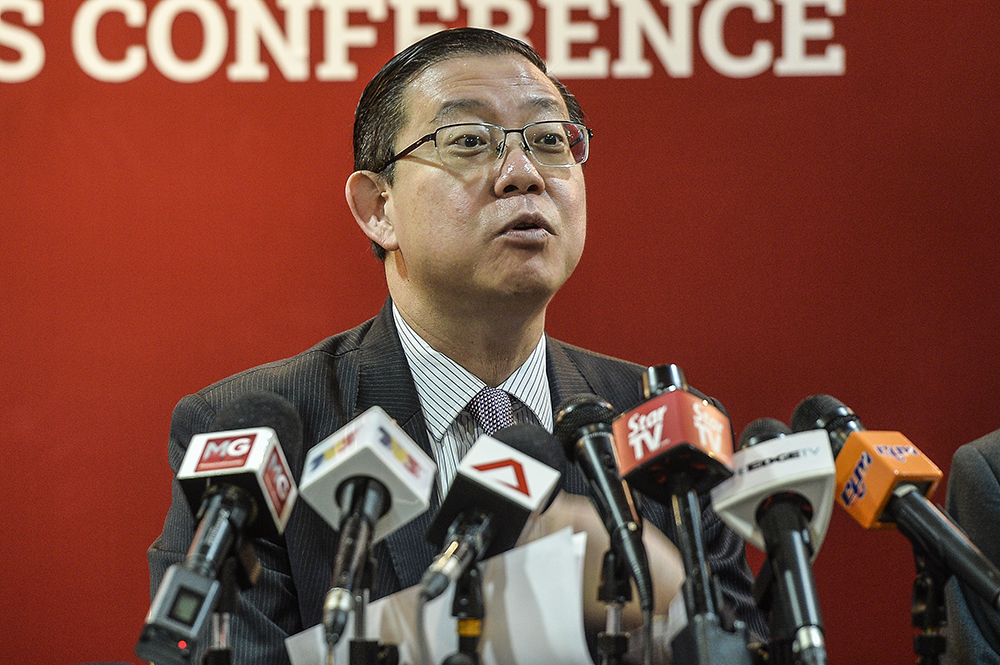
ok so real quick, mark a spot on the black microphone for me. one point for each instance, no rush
(501, 482)
(583, 424)
(786, 583)
(238, 485)
(882, 480)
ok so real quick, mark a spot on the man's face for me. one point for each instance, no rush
(510, 232)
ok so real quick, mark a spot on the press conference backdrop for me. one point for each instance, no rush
(785, 197)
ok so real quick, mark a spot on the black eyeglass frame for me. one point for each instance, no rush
(589, 133)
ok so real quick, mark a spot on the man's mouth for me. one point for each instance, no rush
(528, 224)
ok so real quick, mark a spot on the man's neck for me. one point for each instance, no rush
(490, 343)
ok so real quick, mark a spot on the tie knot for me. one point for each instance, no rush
(493, 410)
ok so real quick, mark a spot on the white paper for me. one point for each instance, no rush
(534, 613)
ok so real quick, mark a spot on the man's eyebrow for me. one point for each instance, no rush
(456, 107)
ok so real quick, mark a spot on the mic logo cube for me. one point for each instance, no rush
(869, 468)
(854, 488)
(225, 452)
(278, 481)
(674, 436)
(371, 445)
(710, 429)
(645, 431)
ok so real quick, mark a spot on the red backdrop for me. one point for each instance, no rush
(776, 235)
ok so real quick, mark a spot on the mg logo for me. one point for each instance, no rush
(278, 481)
(225, 452)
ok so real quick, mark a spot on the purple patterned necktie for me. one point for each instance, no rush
(492, 409)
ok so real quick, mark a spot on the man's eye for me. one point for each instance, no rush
(467, 141)
(550, 142)
(471, 141)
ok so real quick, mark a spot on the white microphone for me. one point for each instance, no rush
(781, 499)
(801, 463)
(238, 485)
(366, 480)
(502, 482)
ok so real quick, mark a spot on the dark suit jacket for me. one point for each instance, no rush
(973, 499)
(329, 385)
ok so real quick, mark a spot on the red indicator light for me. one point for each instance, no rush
(182, 645)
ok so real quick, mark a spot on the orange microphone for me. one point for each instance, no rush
(883, 482)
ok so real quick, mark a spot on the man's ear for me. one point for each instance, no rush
(366, 195)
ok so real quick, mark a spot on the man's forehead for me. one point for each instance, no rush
(455, 109)
(484, 86)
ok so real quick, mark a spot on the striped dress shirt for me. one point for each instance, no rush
(445, 389)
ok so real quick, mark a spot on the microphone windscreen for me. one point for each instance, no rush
(261, 409)
(577, 412)
(534, 441)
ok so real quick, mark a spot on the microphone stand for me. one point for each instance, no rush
(363, 651)
(704, 640)
(239, 570)
(468, 607)
(928, 612)
(615, 590)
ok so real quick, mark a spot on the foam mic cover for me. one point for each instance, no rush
(243, 449)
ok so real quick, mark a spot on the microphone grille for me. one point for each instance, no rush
(261, 409)
(761, 430)
(580, 411)
(820, 412)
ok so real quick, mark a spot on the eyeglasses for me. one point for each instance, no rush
(478, 144)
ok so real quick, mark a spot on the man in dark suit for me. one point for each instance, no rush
(470, 187)
(973, 500)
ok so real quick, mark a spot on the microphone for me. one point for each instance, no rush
(583, 425)
(883, 481)
(502, 481)
(238, 485)
(672, 447)
(673, 444)
(366, 480)
(781, 499)
(674, 441)
(772, 462)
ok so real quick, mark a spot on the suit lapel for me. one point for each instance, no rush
(565, 378)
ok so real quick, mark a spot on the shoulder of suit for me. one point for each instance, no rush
(973, 455)
(279, 375)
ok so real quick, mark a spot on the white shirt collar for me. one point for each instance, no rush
(445, 387)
